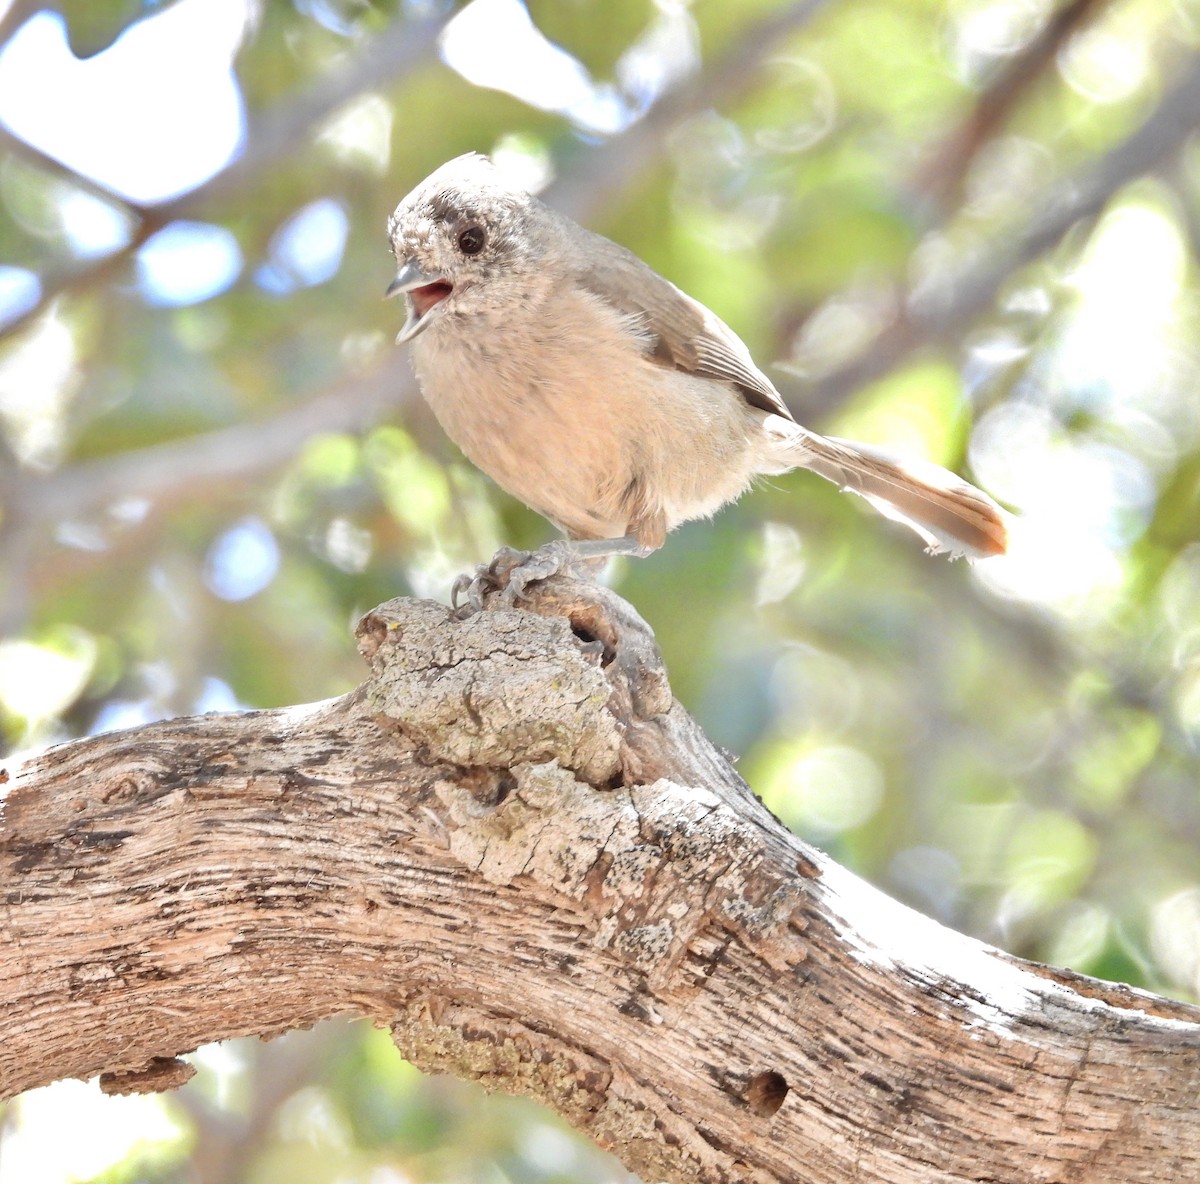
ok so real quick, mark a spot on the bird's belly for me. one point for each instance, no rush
(541, 439)
(594, 436)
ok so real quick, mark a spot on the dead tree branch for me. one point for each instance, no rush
(515, 849)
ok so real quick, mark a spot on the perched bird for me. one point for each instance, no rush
(603, 397)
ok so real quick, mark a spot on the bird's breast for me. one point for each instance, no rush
(563, 408)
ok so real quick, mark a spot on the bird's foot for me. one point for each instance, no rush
(510, 572)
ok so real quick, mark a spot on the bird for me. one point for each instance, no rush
(602, 396)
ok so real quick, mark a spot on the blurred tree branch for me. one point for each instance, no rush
(939, 179)
(176, 472)
(17, 13)
(513, 847)
(943, 308)
(227, 1143)
(272, 136)
(387, 59)
(935, 187)
(609, 169)
(44, 162)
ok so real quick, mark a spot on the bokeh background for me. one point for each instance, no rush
(965, 228)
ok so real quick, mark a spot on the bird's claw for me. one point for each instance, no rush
(508, 574)
(487, 579)
(469, 585)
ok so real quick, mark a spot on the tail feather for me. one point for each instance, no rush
(949, 513)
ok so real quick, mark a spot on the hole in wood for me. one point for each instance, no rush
(487, 786)
(765, 1093)
(588, 629)
(583, 632)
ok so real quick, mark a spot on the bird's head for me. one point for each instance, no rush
(463, 244)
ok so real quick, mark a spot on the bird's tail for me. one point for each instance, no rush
(949, 513)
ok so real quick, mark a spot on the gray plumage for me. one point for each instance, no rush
(602, 396)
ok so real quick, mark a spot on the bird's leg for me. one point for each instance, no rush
(511, 571)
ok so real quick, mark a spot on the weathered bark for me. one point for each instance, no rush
(515, 849)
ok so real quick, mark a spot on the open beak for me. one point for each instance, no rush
(423, 293)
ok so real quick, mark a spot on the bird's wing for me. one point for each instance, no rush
(684, 333)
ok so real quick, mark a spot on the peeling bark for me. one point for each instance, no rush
(512, 847)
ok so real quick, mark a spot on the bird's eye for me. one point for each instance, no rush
(471, 241)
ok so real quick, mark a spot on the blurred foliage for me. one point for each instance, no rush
(1012, 748)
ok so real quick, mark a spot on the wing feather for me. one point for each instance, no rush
(683, 333)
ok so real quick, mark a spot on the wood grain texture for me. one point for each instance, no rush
(512, 847)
